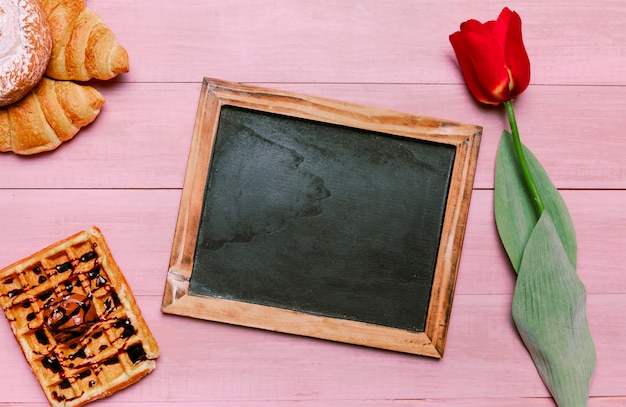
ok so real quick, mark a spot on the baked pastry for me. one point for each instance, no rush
(80, 47)
(83, 47)
(25, 47)
(78, 324)
(51, 113)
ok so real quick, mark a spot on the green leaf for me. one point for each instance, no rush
(549, 299)
(549, 312)
(514, 209)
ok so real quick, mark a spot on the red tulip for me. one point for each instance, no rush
(492, 57)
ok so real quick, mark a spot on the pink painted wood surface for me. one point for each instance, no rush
(124, 173)
(145, 129)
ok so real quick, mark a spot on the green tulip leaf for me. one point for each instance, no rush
(549, 299)
(514, 210)
(549, 312)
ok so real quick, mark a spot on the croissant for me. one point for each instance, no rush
(53, 112)
(83, 47)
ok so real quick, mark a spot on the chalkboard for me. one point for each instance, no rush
(321, 218)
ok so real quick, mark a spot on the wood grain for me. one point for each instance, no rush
(147, 140)
(349, 42)
(125, 174)
(247, 364)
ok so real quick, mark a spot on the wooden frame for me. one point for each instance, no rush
(463, 139)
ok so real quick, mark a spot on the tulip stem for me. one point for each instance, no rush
(521, 159)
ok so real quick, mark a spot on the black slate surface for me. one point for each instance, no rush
(322, 219)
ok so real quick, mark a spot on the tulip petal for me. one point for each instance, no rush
(467, 69)
(489, 25)
(507, 32)
(500, 27)
(487, 59)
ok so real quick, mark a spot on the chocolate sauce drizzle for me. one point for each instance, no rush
(81, 360)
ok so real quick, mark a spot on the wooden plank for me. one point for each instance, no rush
(350, 41)
(444, 402)
(137, 141)
(576, 138)
(484, 359)
(139, 226)
(125, 174)
(482, 345)
(599, 221)
(140, 141)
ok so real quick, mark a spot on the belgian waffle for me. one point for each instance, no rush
(73, 314)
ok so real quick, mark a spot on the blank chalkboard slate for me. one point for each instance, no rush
(321, 218)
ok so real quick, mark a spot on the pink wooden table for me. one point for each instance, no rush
(125, 174)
